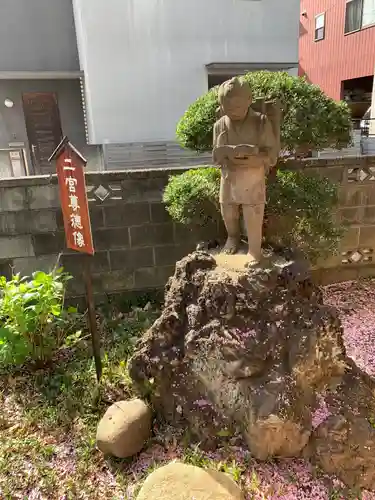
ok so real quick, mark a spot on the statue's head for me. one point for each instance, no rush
(235, 98)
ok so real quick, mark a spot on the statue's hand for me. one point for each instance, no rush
(221, 154)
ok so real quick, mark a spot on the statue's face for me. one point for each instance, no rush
(236, 107)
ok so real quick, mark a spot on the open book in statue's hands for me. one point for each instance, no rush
(224, 154)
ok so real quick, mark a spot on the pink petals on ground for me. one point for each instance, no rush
(296, 479)
(356, 303)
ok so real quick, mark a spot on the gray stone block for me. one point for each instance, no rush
(128, 214)
(49, 243)
(113, 281)
(27, 266)
(151, 234)
(151, 190)
(131, 259)
(196, 233)
(334, 174)
(351, 216)
(152, 277)
(43, 197)
(368, 194)
(42, 221)
(170, 254)
(8, 223)
(75, 287)
(13, 199)
(96, 218)
(367, 237)
(16, 246)
(6, 268)
(28, 222)
(159, 213)
(74, 263)
(369, 215)
(106, 239)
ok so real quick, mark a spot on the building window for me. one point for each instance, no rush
(353, 15)
(368, 14)
(320, 22)
(359, 14)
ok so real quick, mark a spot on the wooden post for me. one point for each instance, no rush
(92, 317)
(74, 204)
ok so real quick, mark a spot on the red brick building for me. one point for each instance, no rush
(337, 49)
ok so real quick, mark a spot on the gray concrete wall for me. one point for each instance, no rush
(12, 120)
(37, 35)
(144, 60)
(137, 244)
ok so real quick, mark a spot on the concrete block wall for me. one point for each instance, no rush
(137, 244)
(355, 177)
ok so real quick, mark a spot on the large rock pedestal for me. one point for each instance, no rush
(240, 353)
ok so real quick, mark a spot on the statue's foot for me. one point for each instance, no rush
(252, 260)
(231, 246)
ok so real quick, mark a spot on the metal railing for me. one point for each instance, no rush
(367, 135)
(363, 141)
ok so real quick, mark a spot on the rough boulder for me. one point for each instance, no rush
(124, 428)
(243, 355)
(177, 481)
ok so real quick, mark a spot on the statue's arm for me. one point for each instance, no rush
(216, 135)
(219, 139)
(215, 143)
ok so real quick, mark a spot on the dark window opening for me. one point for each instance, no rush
(214, 80)
(357, 93)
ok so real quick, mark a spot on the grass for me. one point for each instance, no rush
(48, 425)
(49, 418)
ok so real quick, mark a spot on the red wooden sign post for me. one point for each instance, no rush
(74, 204)
(69, 165)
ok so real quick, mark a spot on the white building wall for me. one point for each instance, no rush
(37, 35)
(144, 60)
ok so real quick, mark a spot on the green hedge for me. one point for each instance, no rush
(299, 212)
(311, 120)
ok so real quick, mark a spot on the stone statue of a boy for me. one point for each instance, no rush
(245, 147)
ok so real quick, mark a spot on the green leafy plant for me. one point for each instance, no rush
(193, 197)
(311, 120)
(193, 455)
(299, 212)
(33, 321)
(232, 468)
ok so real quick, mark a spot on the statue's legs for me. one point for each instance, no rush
(231, 217)
(253, 217)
